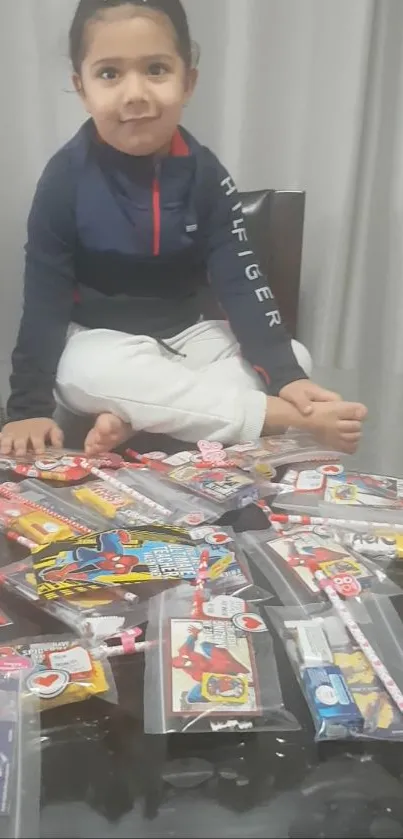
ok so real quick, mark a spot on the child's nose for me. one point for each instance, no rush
(135, 89)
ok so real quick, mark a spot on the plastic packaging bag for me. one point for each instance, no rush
(374, 540)
(289, 561)
(376, 544)
(60, 670)
(228, 488)
(213, 672)
(49, 515)
(58, 465)
(137, 556)
(20, 750)
(332, 491)
(93, 615)
(345, 696)
(186, 510)
(272, 452)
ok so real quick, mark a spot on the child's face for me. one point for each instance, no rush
(133, 81)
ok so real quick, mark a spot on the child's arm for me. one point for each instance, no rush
(335, 424)
(48, 302)
(246, 297)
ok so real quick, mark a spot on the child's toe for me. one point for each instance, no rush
(349, 426)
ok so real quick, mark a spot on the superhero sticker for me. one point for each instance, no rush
(139, 555)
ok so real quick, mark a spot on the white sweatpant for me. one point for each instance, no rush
(206, 392)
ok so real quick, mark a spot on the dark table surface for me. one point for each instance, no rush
(102, 776)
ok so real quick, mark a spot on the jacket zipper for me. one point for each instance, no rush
(157, 211)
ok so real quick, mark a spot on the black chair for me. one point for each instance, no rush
(275, 224)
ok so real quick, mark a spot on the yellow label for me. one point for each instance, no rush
(224, 689)
(220, 566)
(86, 496)
(42, 528)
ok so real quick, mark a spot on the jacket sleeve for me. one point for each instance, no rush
(241, 288)
(48, 293)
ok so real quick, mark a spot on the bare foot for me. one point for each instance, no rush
(108, 432)
(338, 424)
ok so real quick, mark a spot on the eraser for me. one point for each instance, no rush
(330, 698)
(313, 646)
(336, 632)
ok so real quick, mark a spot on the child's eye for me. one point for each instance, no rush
(108, 74)
(157, 69)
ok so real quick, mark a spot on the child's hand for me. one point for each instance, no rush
(303, 394)
(337, 424)
(17, 437)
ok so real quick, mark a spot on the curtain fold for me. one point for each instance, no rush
(291, 95)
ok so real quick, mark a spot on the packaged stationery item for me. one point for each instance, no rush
(212, 669)
(114, 505)
(59, 670)
(149, 554)
(290, 562)
(350, 669)
(185, 510)
(93, 615)
(331, 490)
(20, 757)
(30, 525)
(58, 465)
(49, 504)
(227, 487)
(270, 453)
(377, 540)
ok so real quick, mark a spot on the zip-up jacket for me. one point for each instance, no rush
(126, 243)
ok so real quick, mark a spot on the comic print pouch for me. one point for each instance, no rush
(212, 668)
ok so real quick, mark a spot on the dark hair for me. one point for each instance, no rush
(88, 9)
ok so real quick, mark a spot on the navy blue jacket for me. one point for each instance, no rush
(126, 243)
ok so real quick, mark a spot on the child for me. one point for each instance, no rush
(128, 220)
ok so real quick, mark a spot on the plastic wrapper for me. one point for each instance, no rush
(289, 561)
(374, 540)
(20, 751)
(332, 491)
(58, 465)
(272, 452)
(185, 509)
(228, 488)
(152, 555)
(60, 670)
(93, 615)
(211, 672)
(344, 694)
(31, 525)
(118, 507)
(378, 544)
(51, 509)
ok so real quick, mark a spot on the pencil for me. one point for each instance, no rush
(127, 490)
(277, 518)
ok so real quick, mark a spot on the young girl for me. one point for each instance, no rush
(128, 221)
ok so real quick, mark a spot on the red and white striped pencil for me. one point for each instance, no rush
(199, 596)
(127, 490)
(355, 524)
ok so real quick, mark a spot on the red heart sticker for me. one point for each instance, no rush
(331, 469)
(251, 623)
(47, 681)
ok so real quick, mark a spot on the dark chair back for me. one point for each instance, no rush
(275, 223)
